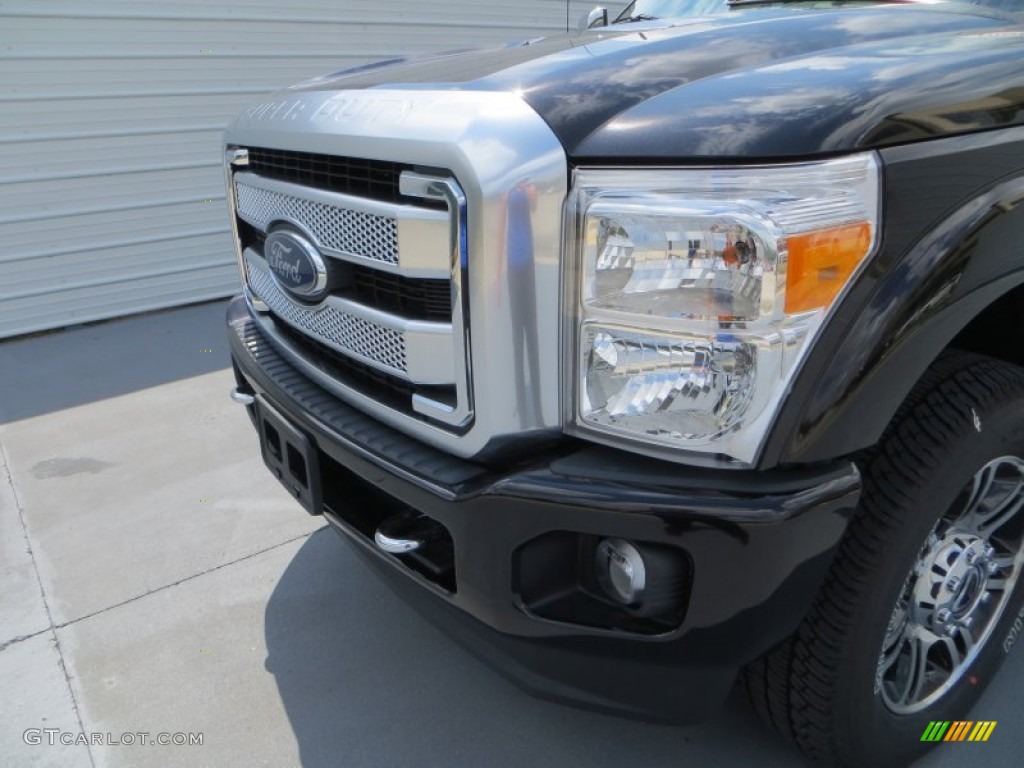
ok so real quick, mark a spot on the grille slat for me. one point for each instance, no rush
(417, 298)
(375, 179)
(389, 390)
(335, 228)
(370, 341)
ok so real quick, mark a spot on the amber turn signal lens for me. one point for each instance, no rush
(821, 262)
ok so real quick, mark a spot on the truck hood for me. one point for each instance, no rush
(757, 83)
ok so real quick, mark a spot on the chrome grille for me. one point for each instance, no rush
(391, 331)
(338, 229)
(353, 335)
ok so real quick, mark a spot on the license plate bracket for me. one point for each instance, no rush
(290, 455)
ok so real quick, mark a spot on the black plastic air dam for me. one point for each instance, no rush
(760, 545)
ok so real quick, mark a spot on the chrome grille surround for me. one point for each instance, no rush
(502, 260)
(337, 229)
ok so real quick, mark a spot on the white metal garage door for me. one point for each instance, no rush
(111, 198)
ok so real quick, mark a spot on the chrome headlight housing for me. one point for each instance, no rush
(693, 294)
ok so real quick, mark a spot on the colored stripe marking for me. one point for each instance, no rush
(956, 733)
(935, 731)
(958, 730)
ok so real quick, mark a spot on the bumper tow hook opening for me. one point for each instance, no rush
(404, 533)
(241, 397)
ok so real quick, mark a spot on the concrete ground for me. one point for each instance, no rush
(153, 578)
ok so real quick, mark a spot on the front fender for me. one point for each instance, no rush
(952, 244)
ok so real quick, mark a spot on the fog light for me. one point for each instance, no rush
(621, 571)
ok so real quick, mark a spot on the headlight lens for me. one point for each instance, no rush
(696, 292)
(667, 388)
(701, 263)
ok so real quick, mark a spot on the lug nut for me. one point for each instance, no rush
(953, 583)
(989, 551)
(967, 622)
(943, 615)
(993, 566)
(986, 598)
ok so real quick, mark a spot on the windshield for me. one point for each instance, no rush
(663, 8)
(646, 9)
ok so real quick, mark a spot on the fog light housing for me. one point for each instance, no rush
(621, 571)
(649, 580)
(557, 576)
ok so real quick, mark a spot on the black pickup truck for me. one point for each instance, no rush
(680, 351)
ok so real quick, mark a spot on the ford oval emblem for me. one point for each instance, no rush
(296, 264)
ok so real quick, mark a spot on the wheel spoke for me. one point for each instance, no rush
(995, 585)
(916, 671)
(968, 639)
(955, 656)
(1010, 505)
(887, 662)
(1004, 561)
(979, 490)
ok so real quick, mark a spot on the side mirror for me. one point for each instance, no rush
(598, 17)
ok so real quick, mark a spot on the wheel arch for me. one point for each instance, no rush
(987, 334)
(954, 286)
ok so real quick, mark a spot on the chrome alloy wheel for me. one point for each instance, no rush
(956, 591)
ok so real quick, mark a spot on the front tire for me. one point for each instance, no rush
(919, 608)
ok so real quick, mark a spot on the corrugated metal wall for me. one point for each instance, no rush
(111, 189)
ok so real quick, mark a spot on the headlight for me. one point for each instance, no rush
(695, 293)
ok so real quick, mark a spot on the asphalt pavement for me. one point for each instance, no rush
(155, 580)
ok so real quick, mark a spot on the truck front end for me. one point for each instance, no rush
(522, 326)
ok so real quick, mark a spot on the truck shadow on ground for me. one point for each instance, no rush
(365, 681)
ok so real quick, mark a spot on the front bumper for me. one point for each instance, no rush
(758, 546)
